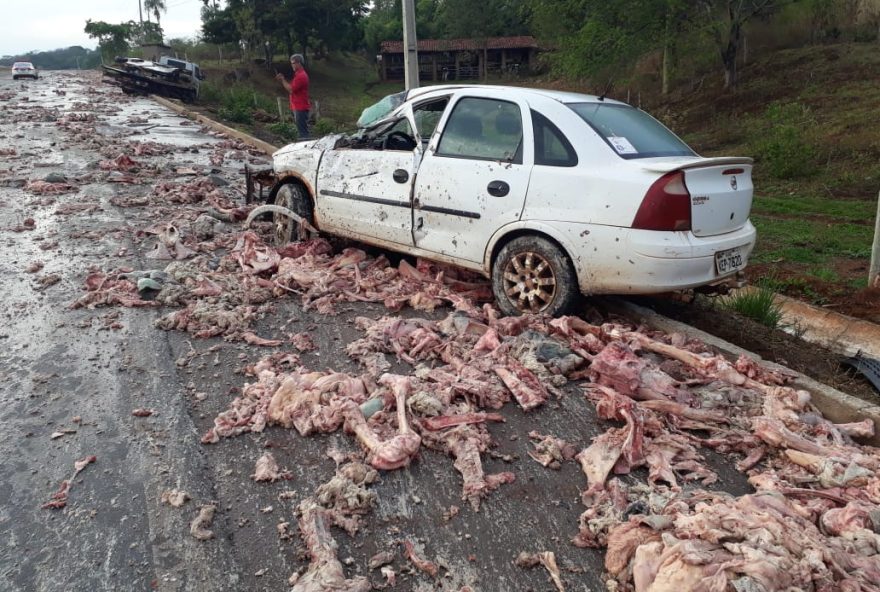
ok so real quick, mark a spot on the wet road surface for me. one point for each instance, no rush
(81, 373)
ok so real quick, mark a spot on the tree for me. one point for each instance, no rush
(488, 18)
(218, 26)
(304, 24)
(599, 39)
(113, 40)
(383, 22)
(726, 20)
(156, 7)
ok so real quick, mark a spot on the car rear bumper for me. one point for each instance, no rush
(613, 260)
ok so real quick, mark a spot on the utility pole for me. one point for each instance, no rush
(141, 13)
(410, 46)
(874, 273)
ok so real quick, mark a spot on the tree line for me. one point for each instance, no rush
(69, 58)
(585, 39)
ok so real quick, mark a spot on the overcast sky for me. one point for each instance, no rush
(52, 24)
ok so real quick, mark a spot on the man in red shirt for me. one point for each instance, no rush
(298, 88)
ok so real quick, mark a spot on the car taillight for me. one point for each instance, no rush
(666, 205)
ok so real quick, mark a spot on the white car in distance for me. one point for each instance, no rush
(550, 194)
(24, 70)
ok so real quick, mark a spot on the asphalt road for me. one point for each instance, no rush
(64, 371)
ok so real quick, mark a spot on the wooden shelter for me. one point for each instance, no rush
(460, 59)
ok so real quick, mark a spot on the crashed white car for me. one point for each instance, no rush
(549, 194)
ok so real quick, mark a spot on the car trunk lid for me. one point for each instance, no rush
(720, 189)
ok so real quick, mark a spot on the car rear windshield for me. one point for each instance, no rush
(22, 65)
(631, 132)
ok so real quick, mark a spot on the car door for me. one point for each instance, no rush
(474, 177)
(365, 193)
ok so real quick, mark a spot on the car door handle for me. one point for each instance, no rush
(498, 188)
(401, 176)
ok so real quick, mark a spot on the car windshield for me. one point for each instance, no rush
(631, 132)
(381, 109)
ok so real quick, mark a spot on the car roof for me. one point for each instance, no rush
(523, 92)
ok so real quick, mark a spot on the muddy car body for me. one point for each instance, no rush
(550, 194)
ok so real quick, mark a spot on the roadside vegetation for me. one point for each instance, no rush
(757, 304)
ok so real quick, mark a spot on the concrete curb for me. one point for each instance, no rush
(837, 406)
(840, 333)
(837, 332)
(218, 127)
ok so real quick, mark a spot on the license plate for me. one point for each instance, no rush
(729, 261)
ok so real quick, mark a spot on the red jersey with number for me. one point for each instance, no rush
(299, 91)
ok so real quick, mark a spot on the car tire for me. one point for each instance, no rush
(533, 275)
(293, 197)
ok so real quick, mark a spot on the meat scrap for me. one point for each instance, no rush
(267, 470)
(446, 421)
(549, 451)
(59, 498)
(545, 558)
(618, 449)
(170, 245)
(46, 188)
(465, 443)
(525, 386)
(325, 571)
(395, 452)
(254, 256)
(423, 565)
(120, 163)
(174, 497)
(346, 493)
(106, 290)
(199, 528)
(758, 541)
(381, 558)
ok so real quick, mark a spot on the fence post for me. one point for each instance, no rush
(874, 270)
(280, 108)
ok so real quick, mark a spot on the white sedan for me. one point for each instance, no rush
(550, 194)
(24, 70)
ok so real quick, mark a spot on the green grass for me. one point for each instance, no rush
(806, 206)
(826, 274)
(757, 304)
(810, 242)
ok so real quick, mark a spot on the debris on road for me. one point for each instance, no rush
(61, 433)
(199, 528)
(174, 497)
(428, 567)
(59, 498)
(545, 558)
(324, 571)
(551, 452)
(267, 469)
(411, 387)
(40, 187)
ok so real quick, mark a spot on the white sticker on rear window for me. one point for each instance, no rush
(622, 145)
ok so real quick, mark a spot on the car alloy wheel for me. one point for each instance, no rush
(532, 275)
(285, 228)
(529, 281)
